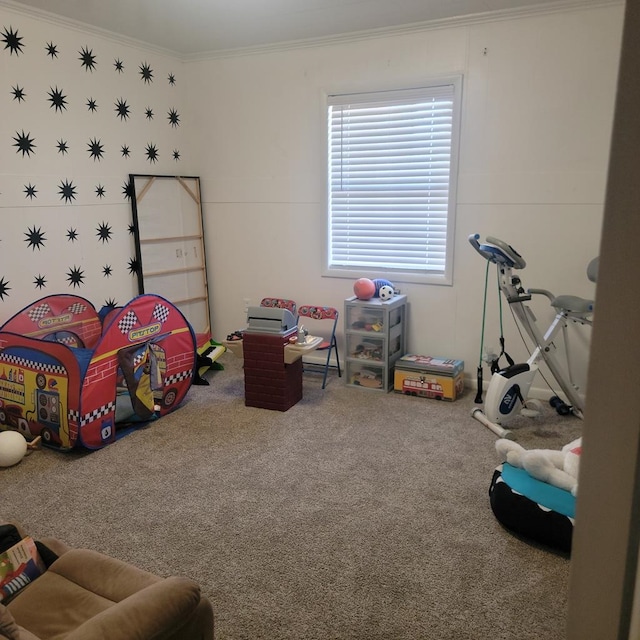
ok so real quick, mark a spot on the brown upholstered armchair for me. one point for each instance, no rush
(85, 595)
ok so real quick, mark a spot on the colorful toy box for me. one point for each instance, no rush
(429, 377)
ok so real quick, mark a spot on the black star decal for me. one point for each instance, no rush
(111, 303)
(149, 113)
(57, 100)
(125, 151)
(118, 64)
(106, 270)
(40, 282)
(122, 109)
(132, 229)
(134, 265)
(18, 93)
(176, 155)
(127, 190)
(35, 238)
(72, 234)
(146, 73)
(12, 41)
(67, 191)
(92, 105)
(31, 191)
(87, 58)
(172, 79)
(104, 232)
(4, 288)
(174, 118)
(52, 50)
(152, 153)
(62, 147)
(75, 277)
(96, 150)
(100, 191)
(24, 143)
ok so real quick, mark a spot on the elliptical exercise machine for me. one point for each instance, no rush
(509, 387)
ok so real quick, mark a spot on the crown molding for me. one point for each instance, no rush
(83, 27)
(557, 6)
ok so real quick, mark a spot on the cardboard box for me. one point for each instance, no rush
(429, 377)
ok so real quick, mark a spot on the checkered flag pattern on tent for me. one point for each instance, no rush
(39, 312)
(127, 322)
(161, 313)
(78, 307)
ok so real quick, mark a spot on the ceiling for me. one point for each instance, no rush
(195, 27)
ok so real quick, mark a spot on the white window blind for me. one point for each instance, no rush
(391, 180)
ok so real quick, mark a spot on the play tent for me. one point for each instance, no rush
(70, 374)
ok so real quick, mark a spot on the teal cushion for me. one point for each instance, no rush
(544, 494)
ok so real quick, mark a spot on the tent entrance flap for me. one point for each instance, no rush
(144, 368)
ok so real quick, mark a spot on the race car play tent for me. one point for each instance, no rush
(71, 374)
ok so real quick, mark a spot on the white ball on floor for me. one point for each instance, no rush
(13, 446)
(386, 292)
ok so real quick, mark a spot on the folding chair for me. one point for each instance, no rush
(328, 344)
(280, 303)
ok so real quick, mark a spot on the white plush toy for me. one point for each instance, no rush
(559, 468)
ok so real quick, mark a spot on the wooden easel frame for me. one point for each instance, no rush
(169, 260)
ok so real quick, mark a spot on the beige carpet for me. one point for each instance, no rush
(355, 515)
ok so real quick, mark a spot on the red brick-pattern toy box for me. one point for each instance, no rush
(270, 383)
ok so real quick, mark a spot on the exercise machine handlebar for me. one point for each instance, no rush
(497, 251)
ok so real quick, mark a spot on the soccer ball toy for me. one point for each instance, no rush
(386, 292)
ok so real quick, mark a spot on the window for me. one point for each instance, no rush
(391, 183)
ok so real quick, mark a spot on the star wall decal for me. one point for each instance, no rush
(146, 73)
(31, 191)
(24, 142)
(127, 190)
(104, 232)
(92, 105)
(152, 153)
(173, 118)
(111, 303)
(67, 191)
(172, 79)
(72, 234)
(176, 155)
(62, 147)
(132, 229)
(40, 281)
(35, 238)
(122, 109)
(96, 149)
(57, 99)
(87, 58)
(52, 50)
(75, 276)
(12, 41)
(118, 64)
(4, 288)
(18, 93)
(107, 271)
(100, 191)
(134, 266)
(124, 150)
(149, 113)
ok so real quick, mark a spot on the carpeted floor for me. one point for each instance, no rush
(355, 515)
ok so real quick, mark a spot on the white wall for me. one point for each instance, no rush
(103, 264)
(538, 99)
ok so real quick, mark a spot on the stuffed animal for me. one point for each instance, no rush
(558, 468)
